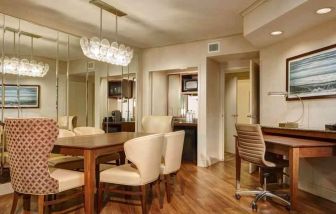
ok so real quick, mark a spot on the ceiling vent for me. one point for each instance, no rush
(91, 65)
(213, 47)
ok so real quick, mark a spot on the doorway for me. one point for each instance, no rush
(241, 101)
(237, 105)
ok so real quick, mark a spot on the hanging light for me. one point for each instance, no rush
(101, 50)
(24, 67)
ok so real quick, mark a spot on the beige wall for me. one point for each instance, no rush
(181, 56)
(159, 92)
(316, 175)
(213, 113)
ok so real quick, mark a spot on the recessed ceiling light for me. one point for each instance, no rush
(276, 33)
(324, 10)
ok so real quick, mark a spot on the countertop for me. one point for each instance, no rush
(183, 122)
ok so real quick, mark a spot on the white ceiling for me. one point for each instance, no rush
(150, 23)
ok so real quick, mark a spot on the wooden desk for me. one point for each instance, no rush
(295, 148)
(91, 147)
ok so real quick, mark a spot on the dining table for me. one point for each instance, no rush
(91, 147)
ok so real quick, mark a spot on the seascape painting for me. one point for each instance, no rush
(26, 97)
(312, 75)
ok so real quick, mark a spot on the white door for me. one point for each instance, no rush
(254, 98)
(230, 112)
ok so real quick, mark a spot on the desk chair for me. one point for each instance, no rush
(251, 148)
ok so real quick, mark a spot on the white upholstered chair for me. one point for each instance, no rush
(65, 161)
(157, 124)
(172, 158)
(83, 131)
(65, 133)
(30, 142)
(87, 131)
(63, 122)
(145, 154)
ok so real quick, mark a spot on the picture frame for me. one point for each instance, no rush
(312, 75)
(29, 96)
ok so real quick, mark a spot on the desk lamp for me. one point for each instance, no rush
(292, 124)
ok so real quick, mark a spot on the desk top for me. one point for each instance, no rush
(296, 142)
(97, 141)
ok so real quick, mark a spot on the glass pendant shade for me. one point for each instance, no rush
(102, 50)
(23, 67)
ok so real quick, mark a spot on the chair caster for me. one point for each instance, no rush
(254, 207)
(237, 196)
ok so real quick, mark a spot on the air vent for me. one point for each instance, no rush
(213, 47)
(91, 65)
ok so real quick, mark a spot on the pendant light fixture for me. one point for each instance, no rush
(100, 49)
(24, 67)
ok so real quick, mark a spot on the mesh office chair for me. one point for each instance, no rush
(251, 148)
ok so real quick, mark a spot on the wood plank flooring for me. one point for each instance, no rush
(207, 190)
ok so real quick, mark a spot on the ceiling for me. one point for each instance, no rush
(149, 23)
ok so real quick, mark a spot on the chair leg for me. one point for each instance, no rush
(15, 200)
(100, 196)
(168, 187)
(26, 202)
(144, 199)
(40, 204)
(159, 193)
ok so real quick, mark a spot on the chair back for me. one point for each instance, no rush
(145, 153)
(157, 124)
(29, 143)
(88, 131)
(62, 122)
(251, 144)
(65, 133)
(172, 151)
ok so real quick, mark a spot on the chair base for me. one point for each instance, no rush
(262, 194)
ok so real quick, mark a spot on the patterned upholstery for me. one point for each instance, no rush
(29, 143)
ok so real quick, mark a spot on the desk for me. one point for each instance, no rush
(91, 147)
(295, 148)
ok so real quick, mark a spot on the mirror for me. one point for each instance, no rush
(75, 91)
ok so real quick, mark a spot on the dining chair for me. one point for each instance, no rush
(157, 124)
(252, 148)
(63, 122)
(105, 159)
(171, 164)
(65, 133)
(30, 142)
(145, 154)
(87, 130)
(65, 161)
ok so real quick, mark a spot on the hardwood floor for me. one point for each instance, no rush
(207, 190)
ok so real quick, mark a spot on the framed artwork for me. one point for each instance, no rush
(28, 96)
(312, 75)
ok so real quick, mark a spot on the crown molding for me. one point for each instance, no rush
(252, 7)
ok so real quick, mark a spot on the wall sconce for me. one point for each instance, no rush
(293, 124)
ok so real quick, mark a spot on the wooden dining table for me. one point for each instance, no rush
(91, 147)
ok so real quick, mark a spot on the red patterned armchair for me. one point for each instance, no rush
(29, 143)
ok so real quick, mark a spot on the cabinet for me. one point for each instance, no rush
(120, 89)
(189, 153)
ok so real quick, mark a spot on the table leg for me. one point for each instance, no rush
(238, 166)
(122, 158)
(294, 157)
(89, 180)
